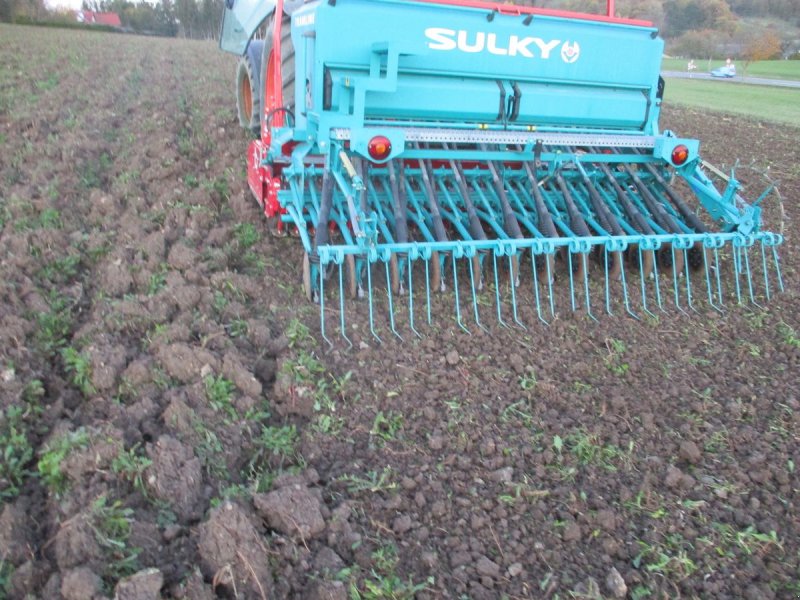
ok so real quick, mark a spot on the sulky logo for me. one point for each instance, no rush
(443, 39)
(570, 52)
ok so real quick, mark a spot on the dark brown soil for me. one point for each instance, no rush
(173, 426)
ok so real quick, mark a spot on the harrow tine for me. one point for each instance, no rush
(750, 277)
(642, 281)
(777, 267)
(391, 304)
(411, 298)
(497, 290)
(657, 286)
(471, 266)
(341, 308)
(458, 301)
(737, 270)
(717, 277)
(536, 289)
(322, 306)
(608, 291)
(764, 267)
(584, 258)
(548, 263)
(688, 270)
(571, 281)
(625, 292)
(371, 311)
(708, 284)
(675, 279)
(514, 278)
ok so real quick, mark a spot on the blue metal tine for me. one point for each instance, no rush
(708, 283)
(458, 301)
(571, 280)
(514, 276)
(474, 295)
(341, 307)
(536, 289)
(391, 304)
(687, 270)
(585, 259)
(643, 282)
(369, 292)
(411, 299)
(322, 305)
(608, 292)
(777, 268)
(750, 276)
(717, 276)
(764, 267)
(497, 290)
(625, 287)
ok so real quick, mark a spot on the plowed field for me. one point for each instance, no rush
(173, 425)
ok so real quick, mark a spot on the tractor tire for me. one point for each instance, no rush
(287, 62)
(248, 87)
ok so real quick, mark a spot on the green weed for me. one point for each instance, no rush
(50, 463)
(79, 369)
(6, 571)
(210, 451)
(276, 445)
(614, 359)
(518, 411)
(789, 335)
(16, 452)
(237, 328)
(373, 482)
(246, 235)
(386, 426)
(298, 334)
(131, 466)
(219, 392)
(61, 270)
(527, 382)
(748, 540)
(383, 582)
(50, 218)
(158, 280)
(92, 172)
(648, 503)
(111, 524)
(53, 327)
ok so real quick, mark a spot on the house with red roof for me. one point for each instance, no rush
(98, 18)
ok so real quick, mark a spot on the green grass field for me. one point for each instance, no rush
(780, 105)
(772, 69)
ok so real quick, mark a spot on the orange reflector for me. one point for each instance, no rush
(379, 147)
(679, 155)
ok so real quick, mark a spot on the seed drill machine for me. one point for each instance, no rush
(492, 152)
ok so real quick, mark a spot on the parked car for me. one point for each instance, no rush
(726, 71)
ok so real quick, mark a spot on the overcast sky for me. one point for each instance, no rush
(73, 4)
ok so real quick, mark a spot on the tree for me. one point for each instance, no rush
(687, 15)
(763, 46)
(703, 43)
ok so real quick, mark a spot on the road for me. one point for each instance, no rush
(738, 79)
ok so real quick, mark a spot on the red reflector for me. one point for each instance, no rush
(680, 154)
(379, 147)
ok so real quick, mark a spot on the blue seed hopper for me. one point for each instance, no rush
(488, 151)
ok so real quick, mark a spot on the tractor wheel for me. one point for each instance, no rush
(248, 87)
(287, 61)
